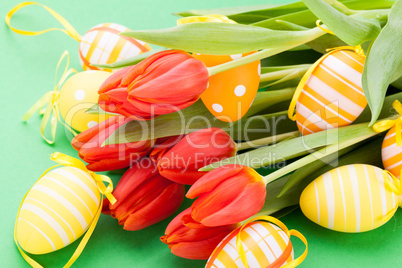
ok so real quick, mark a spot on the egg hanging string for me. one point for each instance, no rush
(390, 123)
(278, 262)
(65, 160)
(306, 76)
(69, 30)
(51, 99)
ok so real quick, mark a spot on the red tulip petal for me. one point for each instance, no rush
(114, 80)
(246, 204)
(158, 209)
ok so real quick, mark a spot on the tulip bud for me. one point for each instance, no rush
(144, 197)
(109, 157)
(197, 149)
(196, 244)
(166, 82)
(227, 195)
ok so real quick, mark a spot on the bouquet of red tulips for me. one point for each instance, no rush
(211, 111)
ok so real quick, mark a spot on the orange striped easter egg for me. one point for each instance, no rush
(230, 94)
(102, 44)
(264, 245)
(392, 153)
(332, 95)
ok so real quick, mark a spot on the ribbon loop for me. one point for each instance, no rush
(70, 161)
(386, 124)
(48, 103)
(69, 30)
(282, 226)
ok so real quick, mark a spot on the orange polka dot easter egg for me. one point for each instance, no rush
(392, 153)
(77, 95)
(102, 44)
(331, 92)
(230, 94)
(264, 245)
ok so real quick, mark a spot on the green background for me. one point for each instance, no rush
(27, 72)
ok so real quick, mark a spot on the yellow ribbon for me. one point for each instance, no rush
(280, 224)
(65, 160)
(206, 18)
(390, 123)
(69, 30)
(318, 23)
(395, 185)
(357, 49)
(51, 98)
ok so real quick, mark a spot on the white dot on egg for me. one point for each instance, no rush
(259, 69)
(79, 95)
(208, 85)
(240, 90)
(236, 56)
(217, 107)
(92, 124)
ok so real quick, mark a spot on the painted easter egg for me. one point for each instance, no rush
(392, 154)
(264, 244)
(352, 198)
(332, 95)
(57, 210)
(102, 44)
(230, 94)
(77, 95)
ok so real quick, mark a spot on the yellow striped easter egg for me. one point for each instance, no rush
(57, 210)
(77, 95)
(392, 154)
(353, 198)
(264, 244)
(102, 44)
(332, 95)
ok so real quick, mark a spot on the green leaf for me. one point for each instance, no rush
(351, 30)
(321, 44)
(188, 120)
(308, 169)
(130, 61)
(223, 38)
(383, 61)
(95, 109)
(295, 147)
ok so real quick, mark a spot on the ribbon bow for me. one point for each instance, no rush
(390, 123)
(278, 262)
(51, 98)
(395, 185)
(65, 160)
(357, 49)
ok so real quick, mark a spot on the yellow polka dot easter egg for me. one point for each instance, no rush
(392, 153)
(77, 95)
(353, 198)
(331, 95)
(102, 44)
(57, 210)
(264, 245)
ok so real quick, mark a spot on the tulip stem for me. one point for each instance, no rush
(328, 150)
(281, 74)
(266, 141)
(265, 53)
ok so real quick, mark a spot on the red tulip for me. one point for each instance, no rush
(197, 149)
(162, 145)
(164, 83)
(144, 197)
(227, 195)
(196, 244)
(109, 157)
